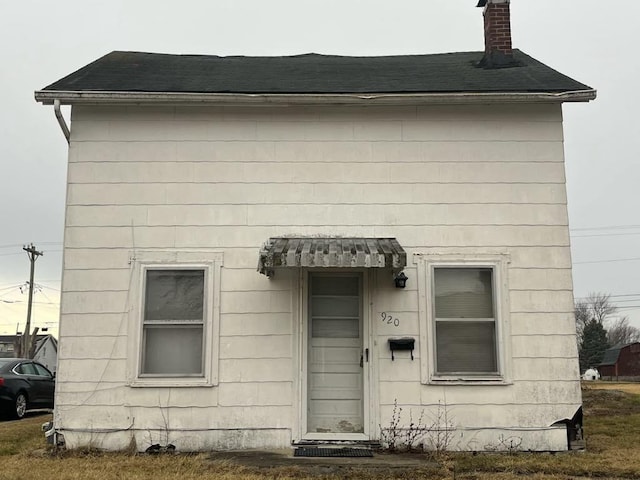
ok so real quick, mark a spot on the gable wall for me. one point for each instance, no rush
(47, 354)
(452, 178)
(629, 361)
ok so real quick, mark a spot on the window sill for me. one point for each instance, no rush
(461, 380)
(171, 382)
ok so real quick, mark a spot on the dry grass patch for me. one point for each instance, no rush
(628, 387)
(612, 428)
(22, 435)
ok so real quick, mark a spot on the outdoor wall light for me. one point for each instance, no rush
(400, 280)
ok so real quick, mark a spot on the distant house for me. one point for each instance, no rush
(339, 177)
(621, 363)
(46, 351)
(8, 346)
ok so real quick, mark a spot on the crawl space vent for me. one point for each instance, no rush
(332, 452)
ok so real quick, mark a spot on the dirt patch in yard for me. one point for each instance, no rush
(609, 401)
(283, 463)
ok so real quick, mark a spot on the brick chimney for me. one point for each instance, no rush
(498, 51)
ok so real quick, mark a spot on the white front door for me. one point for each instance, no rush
(337, 360)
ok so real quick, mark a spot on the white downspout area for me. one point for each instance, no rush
(61, 120)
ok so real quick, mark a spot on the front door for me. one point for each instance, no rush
(337, 359)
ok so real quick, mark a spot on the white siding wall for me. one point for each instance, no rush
(455, 178)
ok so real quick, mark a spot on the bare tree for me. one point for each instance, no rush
(583, 315)
(591, 313)
(595, 306)
(619, 332)
(600, 306)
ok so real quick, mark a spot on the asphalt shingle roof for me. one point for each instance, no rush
(313, 74)
(611, 355)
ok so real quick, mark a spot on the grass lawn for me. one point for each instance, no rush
(612, 428)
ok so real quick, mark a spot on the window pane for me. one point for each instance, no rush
(463, 292)
(27, 369)
(172, 350)
(42, 371)
(335, 306)
(466, 347)
(321, 285)
(174, 295)
(335, 327)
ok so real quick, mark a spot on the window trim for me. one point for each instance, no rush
(143, 261)
(427, 263)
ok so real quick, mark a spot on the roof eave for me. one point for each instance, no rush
(47, 97)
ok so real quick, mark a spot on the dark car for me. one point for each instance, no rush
(24, 385)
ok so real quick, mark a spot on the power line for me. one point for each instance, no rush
(17, 285)
(633, 259)
(10, 254)
(613, 227)
(38, 289)
(15, 245)
(616, 298)
(49, 288)
(38, 286)
(53, 303)
(606, 235)
(35, 303)
(7, 293)
(617, 295)
(47, 322)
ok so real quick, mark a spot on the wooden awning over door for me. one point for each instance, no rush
(341, 252)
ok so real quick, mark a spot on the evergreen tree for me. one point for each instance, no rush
(593, 344)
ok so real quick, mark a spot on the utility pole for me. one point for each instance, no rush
(33, 255)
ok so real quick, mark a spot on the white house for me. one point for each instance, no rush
(8, 346)
(335, 175)
(47, 352)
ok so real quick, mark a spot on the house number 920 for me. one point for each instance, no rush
(390, 320)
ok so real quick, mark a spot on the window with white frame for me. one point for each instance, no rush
(175, 318)
(173, 322)
(464, 312)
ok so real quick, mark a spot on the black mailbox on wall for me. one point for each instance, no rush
(406, 343)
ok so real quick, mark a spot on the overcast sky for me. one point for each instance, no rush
(592, 41)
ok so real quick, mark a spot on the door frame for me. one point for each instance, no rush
(369, 380)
